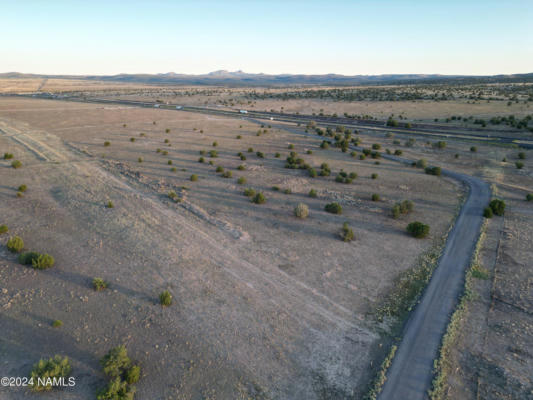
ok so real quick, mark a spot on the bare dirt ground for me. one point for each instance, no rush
(493, 358)
(265, 305)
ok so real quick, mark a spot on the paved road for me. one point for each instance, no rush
(411, 372)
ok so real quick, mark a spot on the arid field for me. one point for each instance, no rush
(266, 305)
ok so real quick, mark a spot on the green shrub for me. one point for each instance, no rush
(376, 146)
(203, 152)
(201, 160)
(215, 144)
(132, 139)
(241, 167)
(165, 298)
(20, 194)
(239, 137)
(275, 188)
(290, 147)
(433, 171)
(8, 156)
(169, 162)
(334, 208)
(287, 191)
(375, 197)
(522, 155)
(440, 144)
(259, 198)
(173, 196)
(404, 207)
(16, 164)
(241, 180)
(167, 130)
(473, 149)
(353, 154)
(227, 174)
(312, 172)
(22, 188)
(115, 362)
(173, 169)
(117, 389)
(529, 197)
(374, 176)
(164, 152)
(418, 229)
(57, 323)
(324, 145)
(243, 157)
(260, 154)
(28, 257)
(110, 204)
(213, 154)
(347, 234)
(487, 212)
(3, 229)
(250, 149)
(107, 143)
(133, 374)
(43, 261)
(362, 156)
(15, 244)
(301, 211)
(99, 284)
(249, 192)
(398, 152)
(498, 207)
(479, 272)
(422, 163)
(56, 367)
(219, 169)
(140, 159)
(193, 178)
(519, 164)
(277, 155)
(309, 152)
(313, 193)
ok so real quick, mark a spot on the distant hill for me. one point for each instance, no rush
(240, 78)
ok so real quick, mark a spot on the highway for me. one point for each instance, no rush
(436, 131)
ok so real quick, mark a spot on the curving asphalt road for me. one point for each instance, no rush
(411, 372)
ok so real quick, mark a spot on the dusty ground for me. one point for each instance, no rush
(493, 359)
(264, 304)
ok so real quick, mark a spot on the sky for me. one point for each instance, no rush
(468, 37)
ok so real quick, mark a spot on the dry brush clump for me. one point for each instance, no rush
(301, 211)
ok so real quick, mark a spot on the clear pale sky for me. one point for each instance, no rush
(311, 37)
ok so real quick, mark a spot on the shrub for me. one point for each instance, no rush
(241, 180)
(57, 323)
(353, 154)
(403, 207)
(227, 174)
(219, 169)
(99, 284)
(215, 144)
(107, 143)
(169, 162)
(115, 362)
(473, 149)
(433, 171)
(313, 193)
(133, 374)
(140, 159)
(418, 229)
(165, 298)
(497, 206)
(173, 195)
(173, 169)
(259, 198)
(16, 164)
(167, 130)
(277, 155)
(522, 155)
(287, 191)
(312, 172)
(440, 144)
(28, 257)
(362, 156)
(110, 204)
(20, 194)
(243, 157)
(301, 211)
(164, 152)
(249, 192)
(241, 167)
(374, 176)
(529, 197)
(238, 137)
(487, 212)
(375, 197)
(158, 151)
(213, 154)
(203, 152)
(422, 163)
(519, 164)
(347, 234)
(3, 229)
(376, 146)
(56, 367)
(8, 156)
(43, 261)
(334, 208)
(398, 152)
(132, 139)
(117, 389)
(22, 188)
(290, 147)
(275, 188)
(260, 154)
(324, 145)
(15, 244)
(193, 178)
(250, 149)
(201, 160)
(309, 152)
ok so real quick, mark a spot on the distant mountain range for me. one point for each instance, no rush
(240, 78)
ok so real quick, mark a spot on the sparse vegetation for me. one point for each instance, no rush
(418, 229)
(313, 193)
(241, 180)
(123, 373)
(259, 198)
(43, 261)
(56, 367)
(193, 178)
(301, 211)
(57, 323)
(8, 156)
(334, 208)
(110, 204)
(165, 298)
(347, 234)
(375, 197)
(3, 229)
(16, 164)
(99, 284)
(15, 244)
